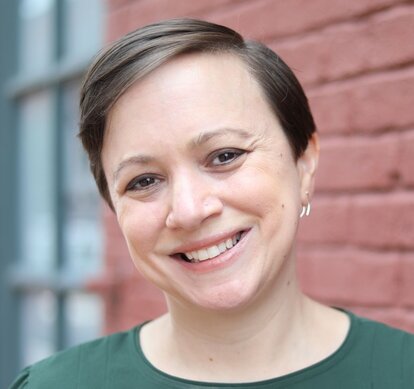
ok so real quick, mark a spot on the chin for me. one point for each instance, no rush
(225, 298)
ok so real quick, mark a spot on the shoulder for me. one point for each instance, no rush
(391, 351)
(22, 380)
(384, 336)
(87, 363)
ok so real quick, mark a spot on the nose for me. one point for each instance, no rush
(193, 200)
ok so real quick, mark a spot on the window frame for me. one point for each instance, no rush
(9, 338)
(16, 279)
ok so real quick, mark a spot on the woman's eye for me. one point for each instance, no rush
(226, 156)
(142, 183)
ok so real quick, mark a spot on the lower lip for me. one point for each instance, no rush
(223, 260)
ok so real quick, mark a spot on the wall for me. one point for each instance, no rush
(356, 61)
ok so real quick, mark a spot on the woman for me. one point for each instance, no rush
(204, 146)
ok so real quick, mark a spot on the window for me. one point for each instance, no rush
(54, 243)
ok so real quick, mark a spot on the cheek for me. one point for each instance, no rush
(259, 189)
(140, 224)
(270, 194)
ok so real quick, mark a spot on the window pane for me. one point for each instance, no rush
(38, 313)
(84, 27)
(36, 35)
(82, 225)
(84, 317)
(36, 181)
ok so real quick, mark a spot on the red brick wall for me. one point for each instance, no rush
(356, 61)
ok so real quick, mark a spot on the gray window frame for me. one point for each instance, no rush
(16, 280)
(8, 222)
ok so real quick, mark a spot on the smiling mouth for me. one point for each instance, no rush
(212, 251)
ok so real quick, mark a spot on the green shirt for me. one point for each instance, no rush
(373, 356)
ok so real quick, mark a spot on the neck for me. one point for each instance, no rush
(276, 308)
(273, 328)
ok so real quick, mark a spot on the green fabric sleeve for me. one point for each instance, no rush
(408, 360)
(22, 380)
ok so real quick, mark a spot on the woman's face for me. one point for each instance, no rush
(203, 181)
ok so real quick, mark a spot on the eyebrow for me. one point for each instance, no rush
(134, 160)
(200, 140)
(207, 135)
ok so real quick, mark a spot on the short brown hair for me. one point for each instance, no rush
(138, 53)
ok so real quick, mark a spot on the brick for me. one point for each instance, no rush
(148, 10)
(243, 15)
(114, 4)
(349, 276)
(140, 13)
(406, 163)
(328, 223)
(350, 164)
(407, 279)
(117, 24)
(377, 221)
(279, 18)
(392, 316)
(383, 221)
(373, 103)
(408, 321)
(352, 48)
(141, 300)
(129, 299)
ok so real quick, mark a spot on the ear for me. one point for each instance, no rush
(307, 165)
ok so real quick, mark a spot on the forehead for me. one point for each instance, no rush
(227, 69)
(200, 79)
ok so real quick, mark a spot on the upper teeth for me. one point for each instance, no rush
(213, 251)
